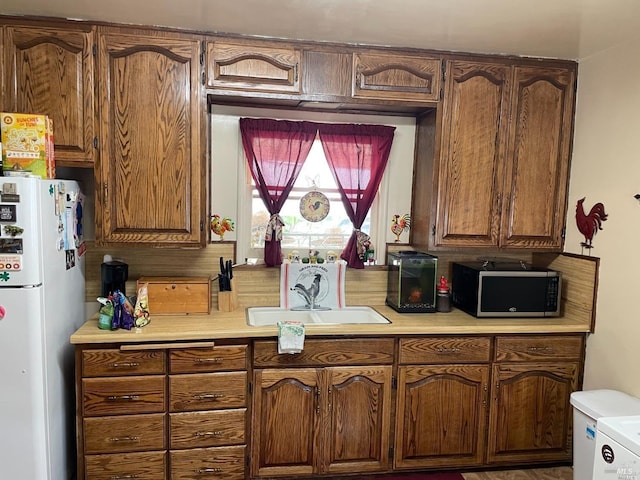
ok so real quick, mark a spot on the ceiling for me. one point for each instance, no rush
(568, 29)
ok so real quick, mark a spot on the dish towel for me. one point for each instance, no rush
(290, 336)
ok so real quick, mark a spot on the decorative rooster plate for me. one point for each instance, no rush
(314, 206)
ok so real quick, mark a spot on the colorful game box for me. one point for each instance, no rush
(27, 144)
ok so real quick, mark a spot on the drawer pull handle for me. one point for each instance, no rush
(210, 360)
(208, 396)
(127, 398)
(208, 471)
(124, 439)
(215, 433)
(448, 350)
(125, 364)
(124, 477)
(541, 349)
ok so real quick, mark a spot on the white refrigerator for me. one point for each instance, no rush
(42, 299)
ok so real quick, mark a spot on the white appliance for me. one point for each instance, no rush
(588, 407)
(617, 449)
(41, 304)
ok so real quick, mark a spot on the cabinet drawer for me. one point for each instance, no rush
(253, 67)
(216, 463)
(401, 78)
(445, 350)
(211, 359)
(141, 466)
(207, 391)
(120, 396)
(207, 429)
(540, 347)
(126, 433)
(335, 352)
(113, 362)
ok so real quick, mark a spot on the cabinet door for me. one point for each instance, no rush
(401, 78)
(359, 418)
(152, 177)
(535, 205)
(50, 71)
(470, 172)
(253, 67)
(286, 420)
(441, 416)
(530, 415)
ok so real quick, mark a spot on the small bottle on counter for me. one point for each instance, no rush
(443, 296)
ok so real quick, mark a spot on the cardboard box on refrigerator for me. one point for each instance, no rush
(27, 142)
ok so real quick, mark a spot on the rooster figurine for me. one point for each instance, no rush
(589, 224)
(221, 225)
(400, 224)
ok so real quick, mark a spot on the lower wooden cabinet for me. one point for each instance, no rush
(533, 378)
(441, 402)
(329, 420)
(160, 412)
(309, 418)
(342, 406)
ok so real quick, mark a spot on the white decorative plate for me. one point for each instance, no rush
(314, 206)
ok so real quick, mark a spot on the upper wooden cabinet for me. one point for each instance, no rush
(401, 78)
(537, 171)
(253, 67)
(50, 70)
(500, 168)
(151, 184)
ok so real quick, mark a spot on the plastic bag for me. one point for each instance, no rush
(141, 310)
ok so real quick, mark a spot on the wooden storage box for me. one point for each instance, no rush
(177, 295)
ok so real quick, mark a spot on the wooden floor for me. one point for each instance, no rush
(560, 473)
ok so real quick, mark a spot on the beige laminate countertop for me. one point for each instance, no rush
(217, 325)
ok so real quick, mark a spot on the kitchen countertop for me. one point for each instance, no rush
(217, 325)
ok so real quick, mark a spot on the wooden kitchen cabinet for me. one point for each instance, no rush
(500, 170)
(120, 407)
(208, 389)
(253, 67)
(49, 69)
(470, 173)
(314, 420)
(534, 203)
(174, 411)
(151, 182)
(396, 77)
(441, 403)
(530, 413)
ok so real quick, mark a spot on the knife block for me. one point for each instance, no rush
(228, 301)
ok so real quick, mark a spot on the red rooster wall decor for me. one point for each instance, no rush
(400, 224)
(589, 224)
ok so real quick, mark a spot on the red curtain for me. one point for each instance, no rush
(275, 151)
(357, 156)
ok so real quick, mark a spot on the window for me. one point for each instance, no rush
(332, 233)
(231, 189)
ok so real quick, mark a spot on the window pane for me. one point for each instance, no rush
(332, 233)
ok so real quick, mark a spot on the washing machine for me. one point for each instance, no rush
(617, 455)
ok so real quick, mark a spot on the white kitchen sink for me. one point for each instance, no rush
(265, 316)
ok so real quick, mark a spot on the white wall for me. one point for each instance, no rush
(227, 157)
(606, 168)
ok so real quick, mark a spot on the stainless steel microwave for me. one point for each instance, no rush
(509, 289)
